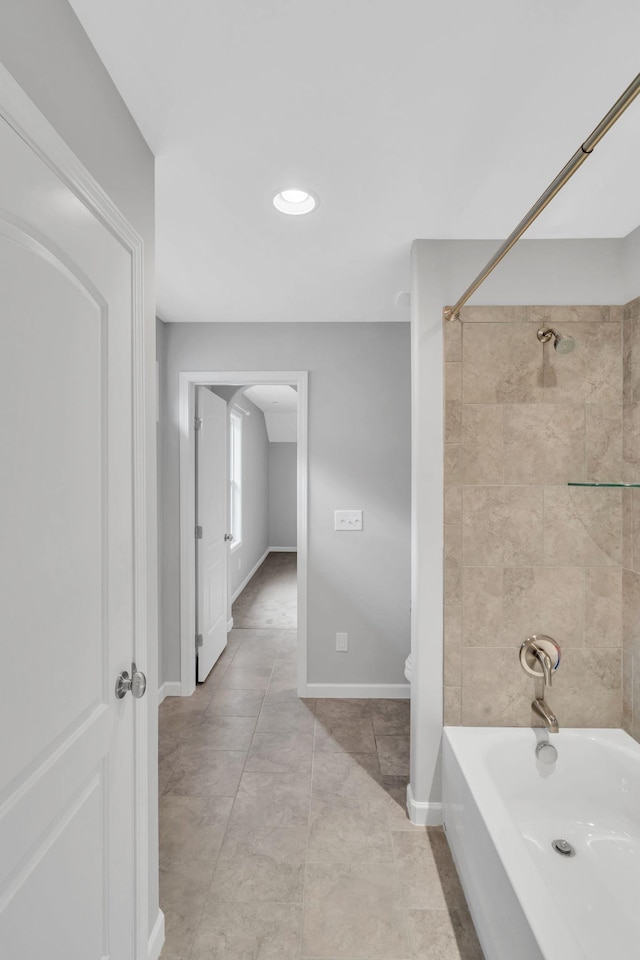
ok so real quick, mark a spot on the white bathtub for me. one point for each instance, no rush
(502, 809)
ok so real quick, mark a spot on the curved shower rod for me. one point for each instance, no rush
(579, 157)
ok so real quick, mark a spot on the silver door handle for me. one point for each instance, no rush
(136, 683)
(228, 537)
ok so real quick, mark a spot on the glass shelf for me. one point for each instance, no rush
(604, 483)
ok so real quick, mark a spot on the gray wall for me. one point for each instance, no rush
(46, 50)
(359, 456)
(255, 496)
(283, 489)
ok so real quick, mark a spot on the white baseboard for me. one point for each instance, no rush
(283, 549)
(172, 688)
(236, 593)
(360, 691)
(423, 814)
(156, 940)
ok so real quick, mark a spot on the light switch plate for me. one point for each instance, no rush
(342, 642)
(348, 519)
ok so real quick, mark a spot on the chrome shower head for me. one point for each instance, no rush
(561, 342)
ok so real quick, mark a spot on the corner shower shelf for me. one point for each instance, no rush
(586, 483)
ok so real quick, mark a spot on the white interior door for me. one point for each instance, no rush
(211, 513)
(66, 572)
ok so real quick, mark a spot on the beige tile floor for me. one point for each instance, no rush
(269, 599)
(283, 832)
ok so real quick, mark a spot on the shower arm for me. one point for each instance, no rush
(579, 157)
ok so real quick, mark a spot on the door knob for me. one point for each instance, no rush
(136, 683)
(228, 537)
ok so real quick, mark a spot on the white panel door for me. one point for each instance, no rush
(66, 574)
(211, 512)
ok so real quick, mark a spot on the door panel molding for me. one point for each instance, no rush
(19, 111)
(187, 381)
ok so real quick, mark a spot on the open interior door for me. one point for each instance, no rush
(211, 520)
(67, 771)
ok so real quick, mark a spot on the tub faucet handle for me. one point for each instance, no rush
(539, 657)
(545, 661)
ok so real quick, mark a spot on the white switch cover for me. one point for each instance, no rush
(348, 519)
(342, 642)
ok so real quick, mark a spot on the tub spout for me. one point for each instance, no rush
(544, 711)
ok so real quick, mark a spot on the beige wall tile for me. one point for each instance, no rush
(582, 526)
(631, 360)
(502, 364)
(603, 607)
(452, 340)
(587, 688)
(547, 600)
(592, 372)
(627, 529)
(482, 443)
(452, 381)
(536, 555)
(452, 564)
(630, 611)
(543, 444)
(452, 504)
(635, 529)
(627, 692)
(495, 690)
(632, 309)
(482, 605)
(452, 463)
(555, 316)
(452, 706)
(452, 409)
(452, 645)
(603, 442)
(452, 421)
(502, 525)
(631, 434)
(493, 314)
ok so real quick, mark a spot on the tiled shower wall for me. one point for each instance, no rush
(525, 553)
(631, 519)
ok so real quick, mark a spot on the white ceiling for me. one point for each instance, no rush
(273, 397)
(408, 118)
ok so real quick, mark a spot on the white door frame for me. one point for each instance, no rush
(187, 387)
(29, 123)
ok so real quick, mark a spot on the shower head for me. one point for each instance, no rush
(561, 342)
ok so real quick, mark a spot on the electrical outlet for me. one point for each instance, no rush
(342, 642)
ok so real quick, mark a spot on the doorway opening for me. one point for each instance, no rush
(243, 436)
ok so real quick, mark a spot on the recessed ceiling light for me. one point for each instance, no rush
(294, 202)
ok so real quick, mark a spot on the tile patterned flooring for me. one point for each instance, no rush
(283, 832)
(269, 599)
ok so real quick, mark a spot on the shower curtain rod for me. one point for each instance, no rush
(581, 154)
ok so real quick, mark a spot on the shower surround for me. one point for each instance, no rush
(525, 553)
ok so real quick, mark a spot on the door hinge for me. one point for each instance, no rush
(197, 423)
(198, 533)
(199, 640)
